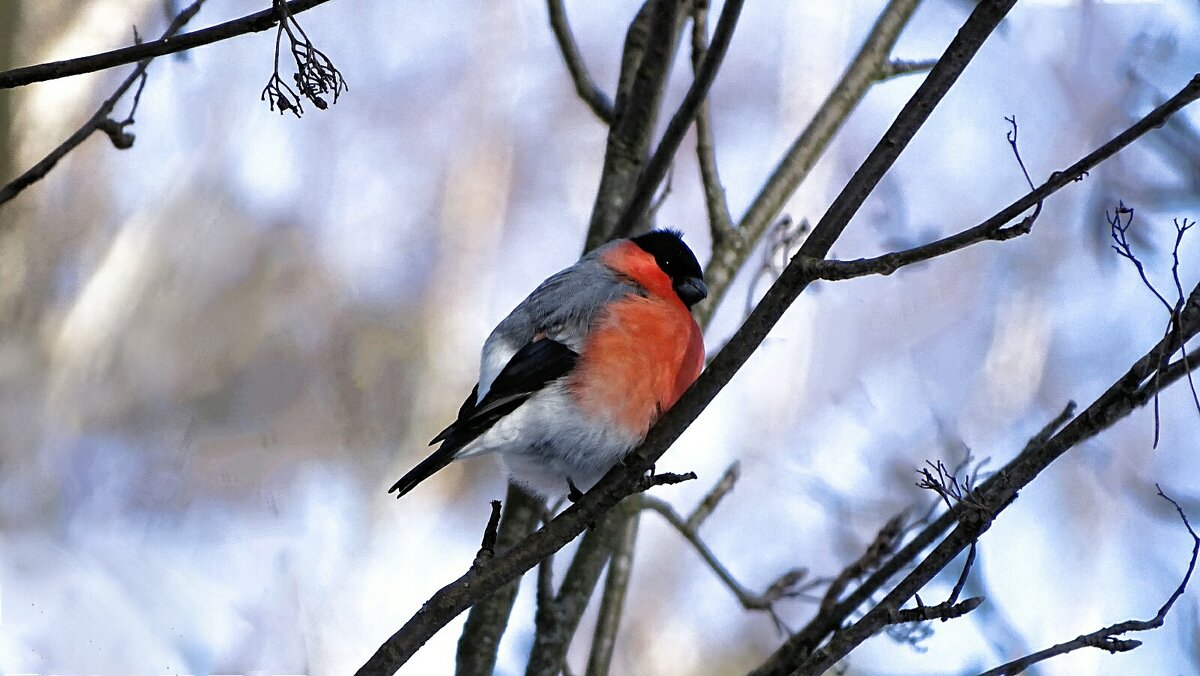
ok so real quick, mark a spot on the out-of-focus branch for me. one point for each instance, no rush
(719, 220)
(168, 44)
(480, 638)
(100, 120)
(585, 86)
(1107, 638)
(786, 586)
(628, 477)
(616, 586)
(900, 67)
(664, 153)
(556, 622)
(864, 71)
(646, 65)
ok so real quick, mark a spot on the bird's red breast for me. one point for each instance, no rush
(643, 352)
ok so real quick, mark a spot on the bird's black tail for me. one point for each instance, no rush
(426, 468)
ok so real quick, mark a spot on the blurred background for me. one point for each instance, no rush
(219, 348)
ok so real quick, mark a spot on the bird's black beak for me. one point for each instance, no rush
(691, 290)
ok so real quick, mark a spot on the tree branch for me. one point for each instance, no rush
(168, 44)
(719, 220)
(100, 120)
(645, 68)
(485, 625)
(660, 161)
(1107, 638)
(616, 585)
(627, 477)
(783, 587)
(1125, 395)
(585, 86)
(864, 71)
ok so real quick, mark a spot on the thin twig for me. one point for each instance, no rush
(1108, 637)
(585, 86)
(99, 121)
(168, 44)
(715, 495)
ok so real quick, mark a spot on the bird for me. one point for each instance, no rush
(574, 377)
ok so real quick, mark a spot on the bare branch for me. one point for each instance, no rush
(645, 67)
(947, 610)
(585, 86)
(623, 479)
(480, 638)
(315, 73)
(799, 159)
(487, 549)
(788, 585)
(898, 67)
(719, 220)
(714, 496)
(652, 175)
(1001, 489)
(168, 44)
(1107, 638)
(993, 229)
(616, 585)
(100, 120)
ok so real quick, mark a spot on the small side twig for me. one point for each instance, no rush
(585, 86)
(947, 610)
(487, 548)
(1108, 638)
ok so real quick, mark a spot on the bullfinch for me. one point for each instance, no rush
(573, 378)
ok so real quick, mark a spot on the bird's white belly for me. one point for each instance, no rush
(547, 441)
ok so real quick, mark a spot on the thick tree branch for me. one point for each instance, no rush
(557, 621)
(100, 120)
(168, 44)
(585, 86)
(627, 478)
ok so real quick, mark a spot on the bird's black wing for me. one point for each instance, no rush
(530, 369)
